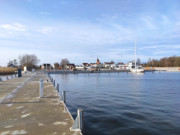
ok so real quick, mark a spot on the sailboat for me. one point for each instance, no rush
(136, 68)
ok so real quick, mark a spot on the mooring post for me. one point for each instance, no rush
(41, 88)
(64, 96)
(80, 116)
(58, 87)
(78, 124)
(54, 83)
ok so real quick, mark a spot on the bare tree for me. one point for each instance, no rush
(138, 61)
(112, 62)
(29, 60)
(64, 62)
(56, 65)
(164, 62)
(14, 63)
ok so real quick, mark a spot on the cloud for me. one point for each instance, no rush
(44, 13)
(149, 22)
(14, 27)
(45, 30)
(161, 47)
(165, 52)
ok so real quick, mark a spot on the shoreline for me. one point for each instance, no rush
(85, 71)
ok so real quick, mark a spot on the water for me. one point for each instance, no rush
(125, 104)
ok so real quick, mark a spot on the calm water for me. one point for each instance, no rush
(125, 104)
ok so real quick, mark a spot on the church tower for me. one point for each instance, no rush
(98, 62)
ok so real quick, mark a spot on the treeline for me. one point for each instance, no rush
(173, 61)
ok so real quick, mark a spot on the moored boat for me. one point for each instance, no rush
(136, 68)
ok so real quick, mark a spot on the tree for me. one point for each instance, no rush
(15, 62)
(138, 61)
(56, 65)
(177, 62)
(112, 62)
(173, 61)
(10, 63)
(29, 60)
(64, 62)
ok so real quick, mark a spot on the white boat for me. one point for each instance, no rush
(136, 68)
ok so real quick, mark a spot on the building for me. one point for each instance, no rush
(85, 64)
(109, 65)
(121, 66)
(80, 67)
(131, 65)
(46, 66)
(70, 66)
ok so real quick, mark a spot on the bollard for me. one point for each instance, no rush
(54, 83)
(41, 88)
(64, 96)
(57, 87)
(80, 116)
(79, 122)
(19, 72)
(52, 80)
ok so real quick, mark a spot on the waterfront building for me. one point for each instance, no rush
(109, 65)
(46, 66)
(70, 66)
(80, 67)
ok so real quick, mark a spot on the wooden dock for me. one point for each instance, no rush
(23, 112)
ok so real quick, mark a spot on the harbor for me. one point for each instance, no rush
(124, 103)
(24, 111)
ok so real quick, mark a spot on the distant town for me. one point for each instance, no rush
(29, 62)
(88, 66)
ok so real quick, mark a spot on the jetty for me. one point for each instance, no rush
(24, 112)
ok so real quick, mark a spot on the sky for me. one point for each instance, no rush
(82, 30)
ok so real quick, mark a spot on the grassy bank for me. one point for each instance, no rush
(7, 70)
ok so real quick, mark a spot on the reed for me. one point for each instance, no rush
(7, 70)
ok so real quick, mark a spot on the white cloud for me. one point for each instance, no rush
(161, 47)
(165, 52)
(14, 27)
(149, 22)
(45, 30)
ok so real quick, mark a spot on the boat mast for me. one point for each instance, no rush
(135, 54)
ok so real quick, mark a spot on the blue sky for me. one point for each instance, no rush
(81, 30)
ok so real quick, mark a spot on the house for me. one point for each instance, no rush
(121, 66)
(70, 66)
(11, 65)
(80, 67)
(85, 64)
(46, 66)
(131, 65)
(93, 65)
(109, 65)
